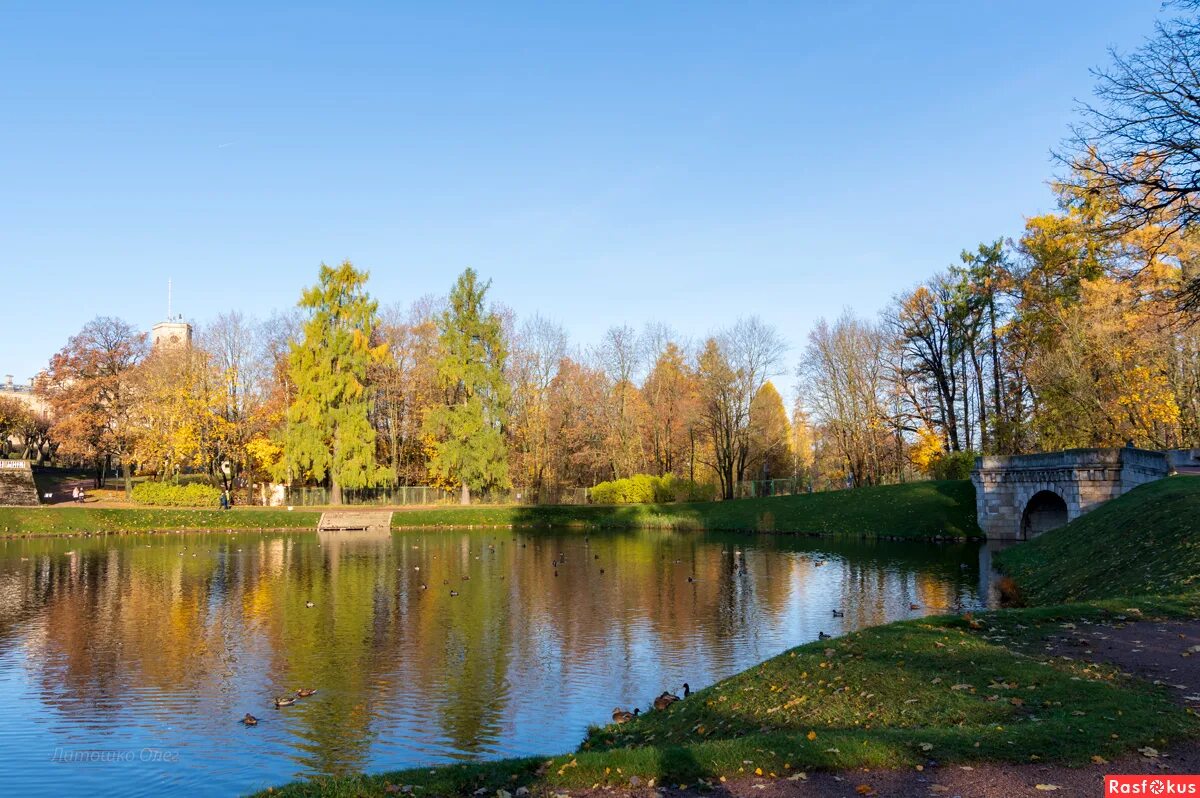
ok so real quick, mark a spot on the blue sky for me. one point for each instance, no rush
(602, 163)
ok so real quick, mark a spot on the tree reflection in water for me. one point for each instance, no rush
(167, 640)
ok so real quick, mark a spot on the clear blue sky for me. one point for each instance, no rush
(602, 163)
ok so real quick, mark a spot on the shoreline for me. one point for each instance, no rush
(929, 511)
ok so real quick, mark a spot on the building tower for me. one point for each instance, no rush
(172, 332)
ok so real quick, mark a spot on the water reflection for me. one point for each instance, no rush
(166, 641)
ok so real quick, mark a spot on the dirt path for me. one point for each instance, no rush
(1154, 650)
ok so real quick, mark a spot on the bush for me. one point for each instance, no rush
(168, 494)
(954, 465)
(649, 489)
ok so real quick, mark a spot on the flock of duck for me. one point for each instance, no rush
(280, 702)
(660, 703)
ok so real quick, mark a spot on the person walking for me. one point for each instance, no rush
(225, 499)
(75, 494)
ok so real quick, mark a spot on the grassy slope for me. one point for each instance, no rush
(1145, 542)
(72, 520)
(917, 509)
(951, 689)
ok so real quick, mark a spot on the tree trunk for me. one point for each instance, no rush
(335, 491)
(465, 496)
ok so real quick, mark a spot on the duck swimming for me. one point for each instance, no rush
(284, 702)
(838, 614)
(309, 604)
(249, 720)
(304, 692)
(823, 636)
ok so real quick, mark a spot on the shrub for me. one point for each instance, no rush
(649, 489)
(954, 465)
(168, 494)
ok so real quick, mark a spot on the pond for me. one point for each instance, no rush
(126, 662)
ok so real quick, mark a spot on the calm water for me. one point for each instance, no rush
(143, 652)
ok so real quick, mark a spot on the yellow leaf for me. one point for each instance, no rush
(812, 735)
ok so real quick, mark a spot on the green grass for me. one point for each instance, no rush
(950, 689)
(915, 510)
(912, 510)
(34, 521)
(1145, 542)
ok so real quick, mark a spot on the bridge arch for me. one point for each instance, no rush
(1020, 496)
(1044, 511)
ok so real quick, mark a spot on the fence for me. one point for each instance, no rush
(758, 488)
(424, 494)
(401, 495)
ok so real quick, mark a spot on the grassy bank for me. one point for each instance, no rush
(949, 689)
(33, 521)
(913, 510)
(1145, 542)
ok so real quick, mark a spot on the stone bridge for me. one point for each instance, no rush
(1018, 497)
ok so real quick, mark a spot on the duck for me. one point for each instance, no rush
(914, 606)
(284, 702)
(691, 579)
(304, 692)
(621, 716)
(424, 586)
(665, 700)
(823, 636)
(838, 614)
(309, 604)
(249, 720)
(453, 594)
(687, 690)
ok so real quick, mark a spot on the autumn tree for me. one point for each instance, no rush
(770, 436)
(671, 394)
(88, 386)
(23, 430)
(731, 369)
(539, 349)
(575, 420)
(1136, 142)
(466, 429)
(176, 410)
(329, 434)
(406, 386)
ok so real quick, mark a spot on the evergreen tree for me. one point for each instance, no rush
(466, 431)
(329, 434)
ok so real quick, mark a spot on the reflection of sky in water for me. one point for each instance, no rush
(165, 641)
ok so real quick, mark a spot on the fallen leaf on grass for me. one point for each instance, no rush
(812, 735)
(1046, 787)
(926, 746)
(865, 789)
(1099, 760)
(938, 788)
(797, 776)
(1148, 752)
